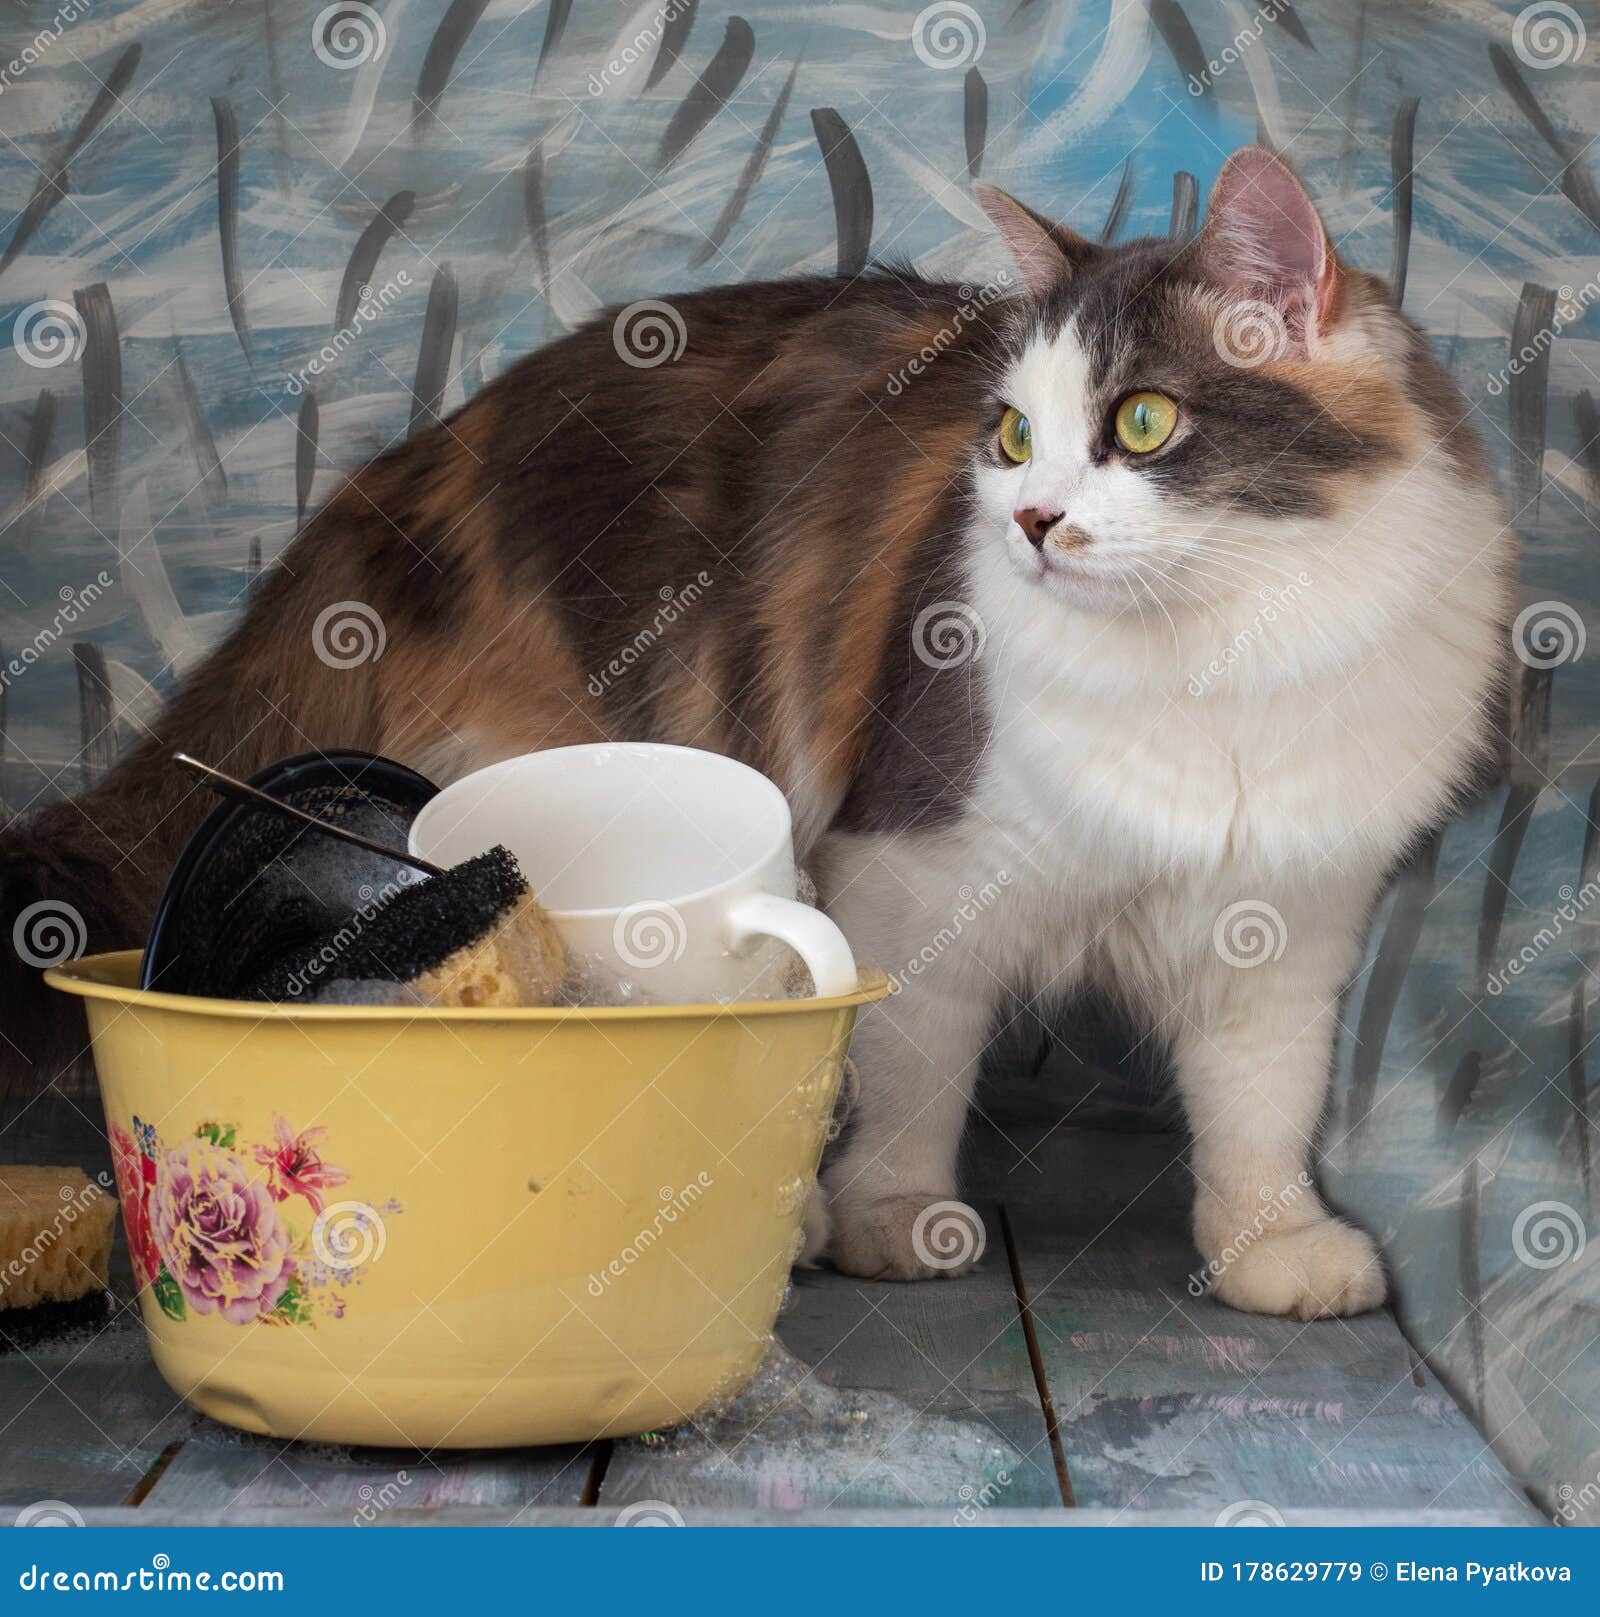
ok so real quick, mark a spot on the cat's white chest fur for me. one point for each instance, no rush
(1114, 789)
(1119, 759)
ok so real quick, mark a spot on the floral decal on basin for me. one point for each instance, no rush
(246, 1233)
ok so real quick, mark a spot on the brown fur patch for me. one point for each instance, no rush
(1365, 399)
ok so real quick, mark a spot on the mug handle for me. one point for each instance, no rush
(808, 932)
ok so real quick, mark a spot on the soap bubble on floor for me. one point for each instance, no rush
(844, 1447)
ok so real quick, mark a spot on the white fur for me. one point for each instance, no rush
(1131, 798)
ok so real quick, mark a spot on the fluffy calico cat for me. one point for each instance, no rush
(1059, 598)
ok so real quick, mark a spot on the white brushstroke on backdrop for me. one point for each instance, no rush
(572, 299)
(971, 258)
(1526, 227)
(104, 242)
(873, 20)
(134, 700)
(951, 194)
(364, 92)
(1574, 481)
(105, 33)
(183, 639)
(1129, 39)
(454, 390)
(1257, 58)
(61, 475)
(643, 24)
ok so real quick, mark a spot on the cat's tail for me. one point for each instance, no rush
(83, 875)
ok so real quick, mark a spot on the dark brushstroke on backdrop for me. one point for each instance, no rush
(754, 165)
(433, 357)
(358, 273)
(227, 123)
(710, 91)
(102, 402)
(851, 186)
(443, 49)
(1402, 142)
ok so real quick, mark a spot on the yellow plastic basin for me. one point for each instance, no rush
(459, 1228)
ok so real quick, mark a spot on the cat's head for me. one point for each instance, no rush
(1186, 421)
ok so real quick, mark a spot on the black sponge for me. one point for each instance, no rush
(423, 934)
(406, 931)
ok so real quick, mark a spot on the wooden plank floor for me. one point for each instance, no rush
(1071, 1377)
(1166, 1401)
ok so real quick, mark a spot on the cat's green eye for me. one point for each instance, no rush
(1016, 436)
(1145, 422)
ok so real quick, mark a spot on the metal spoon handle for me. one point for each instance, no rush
(226, 786)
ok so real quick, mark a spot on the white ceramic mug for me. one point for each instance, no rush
(666, 869)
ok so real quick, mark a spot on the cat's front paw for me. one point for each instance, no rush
(1321, 1270)
(921, 1237)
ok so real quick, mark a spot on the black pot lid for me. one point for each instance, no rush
(251, 884)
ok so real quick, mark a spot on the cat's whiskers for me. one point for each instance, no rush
(1260, 562)
(1177, 639)
(1239, 572)
(1201, 606)
(1239, 580)
(1129, 552)
(1307, 629)
(1233, 546)
(1248, 537)
(1246, 533)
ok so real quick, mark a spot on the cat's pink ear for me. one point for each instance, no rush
(1046, 253)
(1263, 239)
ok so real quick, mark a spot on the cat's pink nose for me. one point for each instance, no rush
(1036, 523)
